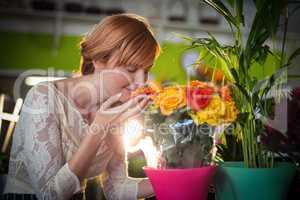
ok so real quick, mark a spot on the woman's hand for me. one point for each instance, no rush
(109, 118)
(132, 108)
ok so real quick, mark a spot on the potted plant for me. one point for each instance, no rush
(258, 176)
(183, 123)
(287, 146)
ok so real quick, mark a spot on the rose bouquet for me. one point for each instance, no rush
(183, 121)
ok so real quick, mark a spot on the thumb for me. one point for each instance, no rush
(110, 101)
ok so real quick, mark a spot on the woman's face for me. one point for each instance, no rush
(123, 79)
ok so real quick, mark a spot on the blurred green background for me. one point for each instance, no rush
(24, 51)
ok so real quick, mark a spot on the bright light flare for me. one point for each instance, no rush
(150, 152)
(133, 141)
(132, 134)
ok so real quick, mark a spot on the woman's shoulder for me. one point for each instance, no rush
(39, 96)
(42, 88)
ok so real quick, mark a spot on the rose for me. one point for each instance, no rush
(152, 89)
(199, 98)
(231, 112)
(225, 93)
(170, 99)
(212, 114)
(198, 84)
(144, 90)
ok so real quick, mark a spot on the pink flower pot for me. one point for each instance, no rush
(181, 184)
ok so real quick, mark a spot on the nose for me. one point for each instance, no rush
(140, 78)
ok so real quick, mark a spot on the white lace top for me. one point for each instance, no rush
(47, 134)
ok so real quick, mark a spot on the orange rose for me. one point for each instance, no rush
(225, 93)
(152, 90)
(170, 99)
(198, 84)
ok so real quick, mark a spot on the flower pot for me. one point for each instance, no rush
(235, 182)
(181, 184)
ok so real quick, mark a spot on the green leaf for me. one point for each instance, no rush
(243, 91)
(184, 37)
(243, 117)
(264, 25)
(270, 82)
(293, 56)
(231, 2)
(242, 68)
(221, 8)
(215, 55)
(239, 11)
(260, 56)
(259, 3)
(235, 75)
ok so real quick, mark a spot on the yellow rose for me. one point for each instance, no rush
(217, 112)
(212, 114)
(170, 99)
(231, 112)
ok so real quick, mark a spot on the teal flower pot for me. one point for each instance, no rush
(235, 182)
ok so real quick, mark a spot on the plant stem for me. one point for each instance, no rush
(272, 160)
(244, 147)
(286, 21)
(260, 155)
(254, 142)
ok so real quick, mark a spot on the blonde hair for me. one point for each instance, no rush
(127, 36)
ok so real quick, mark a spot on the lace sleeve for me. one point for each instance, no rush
(116, 183)
(49, 176)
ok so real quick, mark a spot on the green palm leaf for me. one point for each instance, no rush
(222, 9)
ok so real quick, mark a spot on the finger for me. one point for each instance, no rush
(126, 94)
(135, 111)
(110, 101)
(100, 156)
(97, 164)
(125, 106)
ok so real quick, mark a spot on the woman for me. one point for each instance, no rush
(69, 130)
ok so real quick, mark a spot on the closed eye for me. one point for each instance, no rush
(131, 69)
